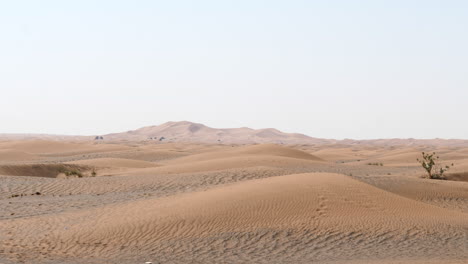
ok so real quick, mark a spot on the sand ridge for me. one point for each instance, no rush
(116, 162)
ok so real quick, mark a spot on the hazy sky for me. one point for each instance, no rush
(333, 69)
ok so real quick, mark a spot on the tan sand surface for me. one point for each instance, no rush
(116, 162)
(15, 155)
(217, 203)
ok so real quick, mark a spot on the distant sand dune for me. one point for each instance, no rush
(115, 162)
(244, 151)
(185, 131)
(15, 155)
(39, 170)
(239, 157)
(59, 147)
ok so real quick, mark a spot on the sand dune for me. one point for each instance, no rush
(185, 131)
(244, 151)
(40, 170)
(292, 201)
(402, 158)
(151, 155)
(458, 176)
(59, 147)
(310, 215)
(238, 157)
(335, 154)
(219, 203)
(276, 150)
(15, 155)
(115, 162)
(42, 146)
(224, 164)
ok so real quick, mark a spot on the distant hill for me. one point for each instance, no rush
(185, 131)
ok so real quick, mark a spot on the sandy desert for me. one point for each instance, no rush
(233, 132)
(81, 200)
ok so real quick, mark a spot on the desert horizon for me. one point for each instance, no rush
(187, 131)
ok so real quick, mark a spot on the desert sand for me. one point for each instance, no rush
(186, 202)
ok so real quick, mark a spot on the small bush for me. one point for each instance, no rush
(71, 172)
(433, 169)
(74, 173)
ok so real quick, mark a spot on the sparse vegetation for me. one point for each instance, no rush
(74, 173)
(375, 164)
(23, 194)
(71, 172)
(433, 169)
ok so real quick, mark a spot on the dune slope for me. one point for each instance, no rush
(299, 218)
(115, 162)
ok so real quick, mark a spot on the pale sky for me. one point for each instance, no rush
(330, 69)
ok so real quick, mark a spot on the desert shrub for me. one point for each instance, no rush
(375, 164)
(71, 172)
(432, 167)
(74, 172)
